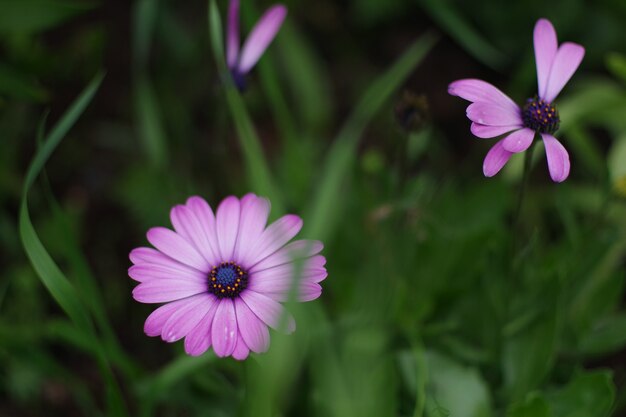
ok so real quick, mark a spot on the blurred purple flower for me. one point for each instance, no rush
(493, 113)
(262, 34)
(223, 276)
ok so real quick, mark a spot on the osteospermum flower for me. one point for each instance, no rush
(493, 113)
(223, 276)
(262, 34)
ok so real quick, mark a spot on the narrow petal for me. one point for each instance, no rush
(275, 237)
(252, 329)
(188, 226)
(198, 340)
(496, 158)
(485, 132)
(157, 319)
(224, 328)
(289, 253)
(232, 34)
(227, 225)
(206, 218)
(147, 272)
(545, 42)
(261, 36)
(241, 351)
(518, 141)
(558, 158)
(187, 317)
(566, 62)
(254, 214)
(493, 115)
(176, 247)
(479, 91)
(166, 290)
(268, 310)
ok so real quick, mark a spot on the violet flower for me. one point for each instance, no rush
(241, 62)
(223, 276)
(493, 113)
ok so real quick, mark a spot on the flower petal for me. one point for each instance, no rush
(254, 214)
(187, 317)
(493, 115)
(251, 328)
(544, 38)
(275, 237)
(241, 351)
(188, 226)
(496, 158)
(157, 319)
(261, 36)
(232, 35)
(485, 132)
(558, 158)
(566, 62)
(289, 253)
(268, 310)
(479, 91)
(224, 328)
(205, 217)
(176, 247)
(227, 225)
(166, 290)
(147, 272)
(519, 140)
(198, 340)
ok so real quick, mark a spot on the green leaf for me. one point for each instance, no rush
(533, 406)
(15, 84)
(444, 13)
(607, 336)
(616, 63)
(27, 16)
(589, 394)
(342, 154)
(149, 117)
(458, 389)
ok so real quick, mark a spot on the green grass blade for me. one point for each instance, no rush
(259, 175)
(342, 153)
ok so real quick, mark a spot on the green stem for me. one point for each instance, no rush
(517, 220)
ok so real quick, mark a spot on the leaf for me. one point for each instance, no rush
(534, 406)
(607, 336)
(589, 394)
(28, 16)
(458, 389)
(16, 85)
(149, 117)
(342, 153)
(616, 63)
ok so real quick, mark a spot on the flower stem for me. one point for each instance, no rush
(528, 157)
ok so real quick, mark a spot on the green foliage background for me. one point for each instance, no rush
(440, 300)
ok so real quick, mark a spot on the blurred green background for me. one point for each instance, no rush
(440, 301)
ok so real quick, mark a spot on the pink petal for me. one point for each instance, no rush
(478, 91)
(166, 290)
(493, 115)
(558, 158)
(289, 253)
(496, 158)
(232, 35)
(198, 340)
(566, 62)
(275, 237)
(261, 36)
(146, 272)
(205, 217)
(485, 132)
(227, 225)
(187, 317)
(254, 214)
(224, 328)
(307, 291)
(253, 331)
(268, 310)
(188, 226)
(157, 319)
(519, 140)
(176, 247)
(241, 351)
(544, 37)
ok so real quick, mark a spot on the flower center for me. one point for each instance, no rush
(540, 116)
(227, 280)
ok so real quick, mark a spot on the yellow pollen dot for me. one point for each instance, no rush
(222, 289)
(236, 285)
(538, 111)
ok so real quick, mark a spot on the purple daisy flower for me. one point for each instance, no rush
(223, 276)
(262, 34)
(493, 113)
